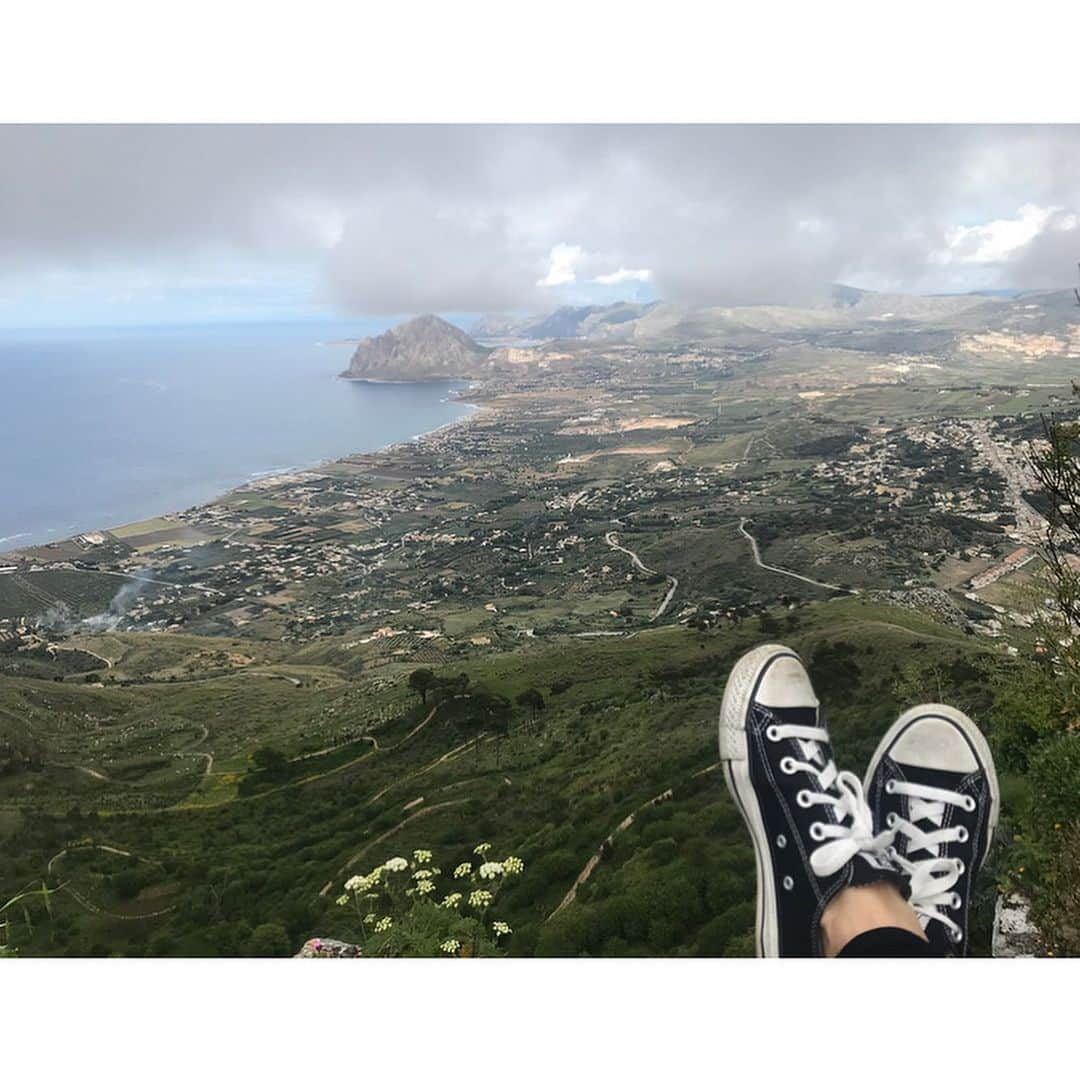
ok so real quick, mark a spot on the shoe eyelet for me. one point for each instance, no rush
(969, 804)
(957, 936)
(891, 850)
(781, 841)
(817, 831)
(955, 902)
(787, 766)
(772, 733)
(788, 884)
(891, 820)
(890, 787)
(962, 835)
(960, 866)
(803, 798)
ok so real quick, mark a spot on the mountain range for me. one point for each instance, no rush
(428, 347)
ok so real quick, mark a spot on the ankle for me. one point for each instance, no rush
(856, 909)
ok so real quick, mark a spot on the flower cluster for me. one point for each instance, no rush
(405, 911)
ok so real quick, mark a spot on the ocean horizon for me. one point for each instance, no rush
(105, 426)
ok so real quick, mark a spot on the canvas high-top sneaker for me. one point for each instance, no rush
(810, 824)
(932, 783)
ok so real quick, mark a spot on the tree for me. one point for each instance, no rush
(1058, 471)
(266, 757)
(421, 681)
(269, 939)
(533, 700)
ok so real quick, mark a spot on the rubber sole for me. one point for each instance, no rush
(735, 755)
(978, 743)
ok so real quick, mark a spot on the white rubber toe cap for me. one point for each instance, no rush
(935, 743)
(785, 685)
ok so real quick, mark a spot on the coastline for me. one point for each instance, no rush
(262, 478)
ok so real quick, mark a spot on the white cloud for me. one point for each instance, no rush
(561, 265)
(995, 241)
(621, 275)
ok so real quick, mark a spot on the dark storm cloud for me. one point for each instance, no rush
(414, 218)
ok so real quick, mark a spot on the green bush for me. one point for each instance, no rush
(270, 939)
(1055, 781)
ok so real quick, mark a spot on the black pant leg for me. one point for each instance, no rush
(889, 941)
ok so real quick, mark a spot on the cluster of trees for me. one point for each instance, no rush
(480, 704)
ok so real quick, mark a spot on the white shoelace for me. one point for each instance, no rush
(837, 843)
(931, 878)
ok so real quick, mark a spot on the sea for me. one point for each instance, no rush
(100, 427)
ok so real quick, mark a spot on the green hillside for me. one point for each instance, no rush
(174, 842)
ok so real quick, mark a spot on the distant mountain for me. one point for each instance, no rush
(590, 321)
(839, 308)
(423, 348)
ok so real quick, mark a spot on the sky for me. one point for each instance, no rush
(118, 224)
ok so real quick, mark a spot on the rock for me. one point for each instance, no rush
(1015, 935)
(424, 348)
(329, 949)
(935, 602)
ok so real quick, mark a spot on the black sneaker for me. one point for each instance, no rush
(932, 783)
(811, 826)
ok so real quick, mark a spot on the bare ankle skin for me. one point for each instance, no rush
(855, 910)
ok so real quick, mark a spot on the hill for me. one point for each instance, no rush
(423, 348)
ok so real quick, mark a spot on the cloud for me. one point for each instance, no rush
(996, 241)
(395, 219)
(621, 275)
(561, 263)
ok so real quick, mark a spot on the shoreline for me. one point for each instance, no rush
(270, 474)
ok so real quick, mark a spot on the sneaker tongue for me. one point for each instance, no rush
(804, 717)
(868, 868)
(939, 778)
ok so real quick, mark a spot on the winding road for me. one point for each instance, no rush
(787, 573)
(612, 542)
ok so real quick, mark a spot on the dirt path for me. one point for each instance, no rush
(427, 768)
(612, 542)
(80, 768)
(374, 741)
(383, 836)
(594, 860)
(89, 905)
(81, 648)
(787, 573)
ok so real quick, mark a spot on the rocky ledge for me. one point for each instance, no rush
(329, 949)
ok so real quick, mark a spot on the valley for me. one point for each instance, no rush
(209, 715)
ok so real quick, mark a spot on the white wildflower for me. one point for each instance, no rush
(501, 929)
(422, 856)
(395, 865)
(479, 898)
(425, 887)
(491, 870)
(369, 918)
(355, 883)
(420, 875)
(450, 946)
(464, 870)
(481, 849)
(343, 899)
(512, 865)
(451, 900)
(383, 924)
